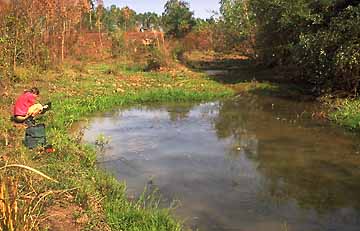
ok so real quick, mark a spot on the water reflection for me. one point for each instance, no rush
(307, 161)
(250, 163)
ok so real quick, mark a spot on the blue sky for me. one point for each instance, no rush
(201, 8)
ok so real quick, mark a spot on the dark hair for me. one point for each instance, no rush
(33, 90)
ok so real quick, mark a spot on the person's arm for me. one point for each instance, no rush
(32, 99)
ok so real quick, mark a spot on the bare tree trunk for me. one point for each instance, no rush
(90, 19)
(6, 137)
(157, 38)
(63, 42)
(100, 36)
(251, 30)
(34, 55)
(15, 49)
(14, 58)
(81, 22)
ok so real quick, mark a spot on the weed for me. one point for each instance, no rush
(101, 141)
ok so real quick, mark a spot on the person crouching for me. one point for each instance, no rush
(26, 108)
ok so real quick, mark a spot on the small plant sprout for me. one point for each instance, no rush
(101, 141)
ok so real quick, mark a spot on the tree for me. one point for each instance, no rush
(318, 38)
(112, 18)
(99, 14)
(29, 29)
(177, 18)
(149, 20)
(129, 18)
(238, 26)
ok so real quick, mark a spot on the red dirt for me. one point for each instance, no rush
(65, 218)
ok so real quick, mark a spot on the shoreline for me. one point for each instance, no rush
(338, 110)
(97, 199)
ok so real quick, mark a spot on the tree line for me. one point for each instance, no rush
(42, 32)
(320, 38)
(37, 31)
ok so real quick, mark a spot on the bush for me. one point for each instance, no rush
(157, 58)
(330, 57)
(118, 43)
(320, 38)
(198, 40)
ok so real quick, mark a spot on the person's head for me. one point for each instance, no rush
(34, 90)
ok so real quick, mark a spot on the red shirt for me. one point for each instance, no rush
(23, 103)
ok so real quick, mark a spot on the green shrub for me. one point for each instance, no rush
(347, 114)
(330, 57)
(157, 58)
(319, 38)
(118, 44)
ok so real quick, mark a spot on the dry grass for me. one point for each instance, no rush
(19, 209)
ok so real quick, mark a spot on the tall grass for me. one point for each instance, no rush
(19, 210)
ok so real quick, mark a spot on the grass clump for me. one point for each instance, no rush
(346, 113)
(143, 214)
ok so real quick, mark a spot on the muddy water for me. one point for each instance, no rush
(249, 163)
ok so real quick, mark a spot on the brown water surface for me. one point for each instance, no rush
(250, 163)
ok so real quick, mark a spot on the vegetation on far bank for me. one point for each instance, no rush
(244, 75)
(346, 112)
(319, 41)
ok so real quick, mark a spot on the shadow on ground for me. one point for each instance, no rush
(244, 75)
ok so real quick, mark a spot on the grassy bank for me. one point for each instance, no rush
(346, 112)
(94, 200)
(245, 76)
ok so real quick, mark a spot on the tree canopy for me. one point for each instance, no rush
(177, 18)
(320, 38)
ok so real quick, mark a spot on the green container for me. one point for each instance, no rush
(35, 136)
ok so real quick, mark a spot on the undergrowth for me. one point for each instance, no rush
(346, 113)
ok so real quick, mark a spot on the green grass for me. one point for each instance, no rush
(347, 114)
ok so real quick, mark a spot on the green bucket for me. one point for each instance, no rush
(35, 136)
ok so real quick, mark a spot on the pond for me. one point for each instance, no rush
(249, 163)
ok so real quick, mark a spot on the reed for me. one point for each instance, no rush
(19, 210)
